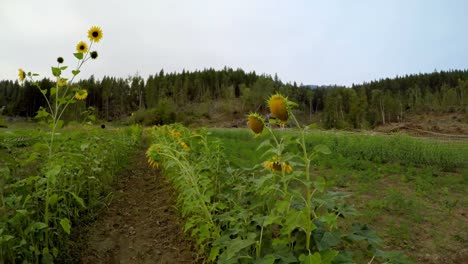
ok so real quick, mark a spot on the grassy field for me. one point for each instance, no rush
(413, 191)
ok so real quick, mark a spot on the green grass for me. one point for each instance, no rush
(379, 149)
(412, 190)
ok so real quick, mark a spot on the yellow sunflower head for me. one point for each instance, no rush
(61, 82)
(82, 47)
(81, 94)
(256, 123)
(153, 163)
(278, 105)
(275, 165)
(286, 167)
(174, 133)
(185, 146)
(21, 74)
(95, 34)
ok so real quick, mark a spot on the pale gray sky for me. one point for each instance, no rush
(311, 42)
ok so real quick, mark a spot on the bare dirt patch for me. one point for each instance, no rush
(445, 126)
(141, 225)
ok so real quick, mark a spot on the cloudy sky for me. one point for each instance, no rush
(311, 42)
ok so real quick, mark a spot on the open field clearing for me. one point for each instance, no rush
(411, 190)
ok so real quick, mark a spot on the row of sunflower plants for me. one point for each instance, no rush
(41, 201)
(58, 182)
(275, 212)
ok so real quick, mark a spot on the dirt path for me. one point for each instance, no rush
(141, 224)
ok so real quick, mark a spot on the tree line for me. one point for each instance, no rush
(359, 106)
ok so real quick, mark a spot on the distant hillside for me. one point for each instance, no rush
(190, 96)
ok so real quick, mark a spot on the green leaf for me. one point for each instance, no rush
(363, 232)
(37, 226)
(233, 247)
(92, 117)
(268, 259)
(41, 113)
(46, 257)
(76, 72)
(56, 71)
(214, 253)
(5, 238)
(344, 258)
(51, 174)
(53, 91)
(322, 149)
(55, 252)
(329, 219)
(328, 256)
(264, 143)
(53, 199)
(59, 124)
(78, 55)
(40, 146)
(44, 91)
(291, 103)
(311, 259)
(298, 219)
(327, 240)
(65, 223)
(320, 184)
(35, 74)
(78, 199)
(63, 68)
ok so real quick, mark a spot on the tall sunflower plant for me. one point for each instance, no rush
(302, 215)
(64, 93)
(58, 98)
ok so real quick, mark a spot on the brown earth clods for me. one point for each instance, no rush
(141, 224)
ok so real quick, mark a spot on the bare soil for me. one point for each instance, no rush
(449, 126)
(141, 224)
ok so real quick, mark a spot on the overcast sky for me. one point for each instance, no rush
(311, 42)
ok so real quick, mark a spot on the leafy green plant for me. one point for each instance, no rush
(277, 211)
(89, 160)
(58, 180)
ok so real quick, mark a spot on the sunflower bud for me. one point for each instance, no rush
(94, 55)
(60, 60)
(81, 94)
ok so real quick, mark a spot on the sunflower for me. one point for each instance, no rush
(82, 47)
(61, 82)
(95, 34)
(153, 163)
(21, 74)
(278, 105)
(93, 54)
(276, 165)
(187, 148)
(256, 123)
(174, 133)
(81, 94)
(286, 167)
